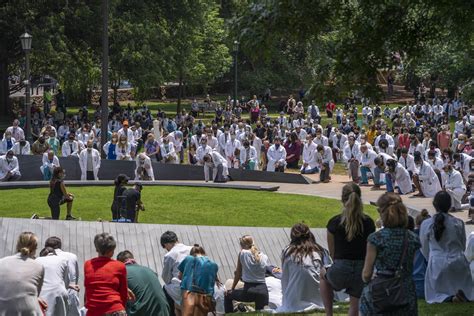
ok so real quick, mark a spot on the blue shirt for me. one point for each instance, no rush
(202, 270)
(111, 154)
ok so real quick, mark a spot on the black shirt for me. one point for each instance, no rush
(132, 196)
(354, 249)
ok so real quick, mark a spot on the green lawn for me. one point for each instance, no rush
(424, 309)
(186, 205)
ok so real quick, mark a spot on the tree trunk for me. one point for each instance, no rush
(115, 88)
(180, 92)
(5, 109)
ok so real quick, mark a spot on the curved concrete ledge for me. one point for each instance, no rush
(30, 171)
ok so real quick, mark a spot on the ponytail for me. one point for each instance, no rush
(352, 215)
(255, 253)
(438, 226)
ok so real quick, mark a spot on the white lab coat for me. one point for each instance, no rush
(454, 185)
(326, 157)
(252, 155)
(418, 147)
(48, 164)
(73, 271)
(6, 166)
(129, 134)
(367, 160)
(342, 142)
(321, 141)
(222, 141)
(391, 143)
(66, 149)
(353, 152)
(212, 142)
(17, 150)
(95, 163)
(408, 163)
(402, 179)
(230, 147)
(147, 165)
(17, 132)
(123, 153)
(106, 146)
(217, 160)
(276, 155)
(201, 152)
(429, 180)
(448, 269)
(55, 284)
(4, 145)
(170, 153)
(463, 165)
(310, 155)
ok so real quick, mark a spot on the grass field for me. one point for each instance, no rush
(424, 309)
(181, 205)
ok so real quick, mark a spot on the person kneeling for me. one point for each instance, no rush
(214, 162)
(58, 195)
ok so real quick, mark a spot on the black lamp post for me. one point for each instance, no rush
(105, 76)
(236, 51)
(26, 40)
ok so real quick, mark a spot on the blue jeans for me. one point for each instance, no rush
(377, 172)
(310, 171)
(363, 174)
(388, 179)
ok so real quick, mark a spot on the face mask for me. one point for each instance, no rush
(123, 141)
(89, 148)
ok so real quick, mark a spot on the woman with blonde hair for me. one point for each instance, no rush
(22, 279)
(124, 149)
(347, 243)
(251, 265)
(391, 252)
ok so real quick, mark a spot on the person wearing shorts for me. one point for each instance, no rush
(58, 195)
(347, 242)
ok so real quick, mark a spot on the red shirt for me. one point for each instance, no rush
(105, 282)
(404, 141)
(330, 106)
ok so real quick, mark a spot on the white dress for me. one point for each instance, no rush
(300, 284)
(448, 269)
(56, 280)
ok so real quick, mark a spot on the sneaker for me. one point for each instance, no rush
(70, 218)
(34, 216)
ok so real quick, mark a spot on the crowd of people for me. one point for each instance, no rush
(423, 258)
(364, 140)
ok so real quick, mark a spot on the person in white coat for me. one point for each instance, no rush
(326, 162)
(443, 241)
(167, 151)
(367, 164)
(399, 176)
(223, 138)
(15, 130)
(55, 283)
(339, 141)
(50, 161)
(201, 151)
(276, 156)
(407, 161)
(144, 168)
(454, 185)
(73, 272)
(124, 149)
(22, 147)
(6, 143)
(9, 167)
(425, 179)
(70, 147)
(462, 164)
(231, 146)
(310, 157)
(89, 161)
(214, 162)
(257, 144)
(391, 142)
(351, 156)
(248, 156)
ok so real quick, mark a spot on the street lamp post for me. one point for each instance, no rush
(26, 40)
(236, 51)
(105, 75)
